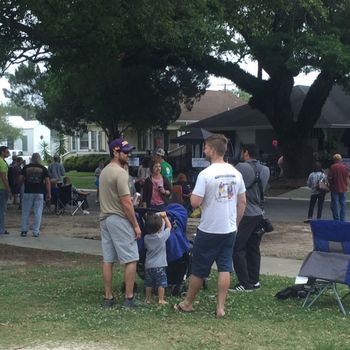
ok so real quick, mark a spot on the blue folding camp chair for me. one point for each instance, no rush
(329, 262)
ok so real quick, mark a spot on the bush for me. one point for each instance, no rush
(85, 163)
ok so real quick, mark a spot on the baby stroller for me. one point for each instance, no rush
(177, 247)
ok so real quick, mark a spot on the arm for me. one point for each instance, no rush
(241, 204)
(196, 201)
(63, 171)
(48, 188)
(166, 220)
(128, 209)
(3, 178)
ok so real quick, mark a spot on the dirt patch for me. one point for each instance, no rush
(288, 240)
(17, 256)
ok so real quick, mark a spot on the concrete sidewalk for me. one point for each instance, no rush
(269, 265)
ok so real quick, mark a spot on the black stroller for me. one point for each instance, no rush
(177, 246)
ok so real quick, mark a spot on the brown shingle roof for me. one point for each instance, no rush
(211, 103)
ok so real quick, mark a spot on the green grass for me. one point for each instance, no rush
(83, 180)
(50, 305)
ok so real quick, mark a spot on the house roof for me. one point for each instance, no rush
(211, 103)
(335, 113)
(18, 122)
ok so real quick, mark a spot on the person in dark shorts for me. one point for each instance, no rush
(220, 192)
(158, 229)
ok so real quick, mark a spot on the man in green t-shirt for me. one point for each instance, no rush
(166, 168)
(5, 191)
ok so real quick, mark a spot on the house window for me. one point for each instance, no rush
(74, 142)
(84, 141)
(11, 143)
(93, 140)
(25, 143)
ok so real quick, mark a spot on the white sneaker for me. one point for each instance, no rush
(86, 212)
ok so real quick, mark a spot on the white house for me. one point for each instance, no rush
(33, 134)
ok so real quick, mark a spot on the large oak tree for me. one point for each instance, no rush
(212, 36)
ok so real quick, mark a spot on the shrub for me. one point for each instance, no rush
(85, 163)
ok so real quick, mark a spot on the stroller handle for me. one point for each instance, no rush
(141, 210)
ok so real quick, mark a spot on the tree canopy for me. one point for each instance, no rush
(107, 49)
(7, 131)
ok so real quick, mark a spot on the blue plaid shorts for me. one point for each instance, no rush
(156, 277)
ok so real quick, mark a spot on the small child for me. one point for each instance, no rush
(158, 229)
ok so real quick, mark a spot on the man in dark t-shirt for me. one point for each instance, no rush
(36, 185)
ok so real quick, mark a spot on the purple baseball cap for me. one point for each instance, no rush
(120, 144)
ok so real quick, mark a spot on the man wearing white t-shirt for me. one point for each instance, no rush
(220, 192)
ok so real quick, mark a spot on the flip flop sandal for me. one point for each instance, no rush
(178, 308)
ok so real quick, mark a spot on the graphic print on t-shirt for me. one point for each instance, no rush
(225, 190)
(34, 175)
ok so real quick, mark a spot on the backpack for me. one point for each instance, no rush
(257, 181)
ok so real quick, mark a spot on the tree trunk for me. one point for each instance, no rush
(297, 157)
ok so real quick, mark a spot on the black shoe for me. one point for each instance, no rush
(24, 234)
(238, 288)
(256, 285)
(6, 232)
(108, 303)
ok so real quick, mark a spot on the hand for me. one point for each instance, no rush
(162, 214)
(161, 190)
(137, 232)
(48, 198)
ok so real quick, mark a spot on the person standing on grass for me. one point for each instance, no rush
(316, 194)
(5, 190)
(56, 170)
(338, 176)
(158, 229)
(220, 191)
(118, 223)
(36, 184)
(97, 174)
(246, 252)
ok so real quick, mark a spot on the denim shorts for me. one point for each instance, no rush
(156, 277)
(209, 248)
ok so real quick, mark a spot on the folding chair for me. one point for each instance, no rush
(66, 196)
(329, 263)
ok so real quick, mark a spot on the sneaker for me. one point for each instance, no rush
(108, 303)
(36, 234)
(130, 303)
(86, 212)
(256, 285)
(5, 233)
(240, 288)
(24, 234)
(307, 220)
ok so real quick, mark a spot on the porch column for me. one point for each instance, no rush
(89, 141)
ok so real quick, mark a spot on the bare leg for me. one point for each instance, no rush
(107, 270)
(129, 278)
(223, 286)
(148, 295)
(161, 292)
(196, 283)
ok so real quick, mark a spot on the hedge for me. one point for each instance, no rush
(86, 162)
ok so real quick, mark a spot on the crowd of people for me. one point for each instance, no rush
(335, 182)
(231, 199)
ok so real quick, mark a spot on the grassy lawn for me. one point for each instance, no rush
(82, 179)
(51, 305)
